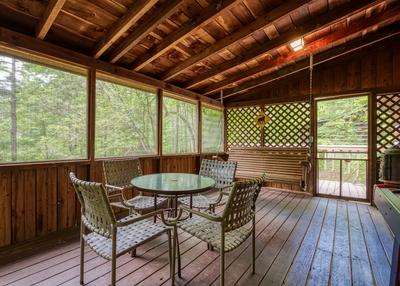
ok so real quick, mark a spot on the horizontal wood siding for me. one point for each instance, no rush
(38, 200)
(375, 69)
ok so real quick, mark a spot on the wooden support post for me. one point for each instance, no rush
(199, 127)
(372, 158)
(159, 127)
(91, 121)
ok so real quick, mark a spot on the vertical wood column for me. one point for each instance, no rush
(199, 128)
(159, 127)
(313, 147)
(225, 130)
(372, 159)
(263, 109)
(91, 120)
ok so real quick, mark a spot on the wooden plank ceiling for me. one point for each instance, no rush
(202, 45)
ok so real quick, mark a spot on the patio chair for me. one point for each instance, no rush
(223, 172)
(118, 175)
(233, 227)
(111, 238)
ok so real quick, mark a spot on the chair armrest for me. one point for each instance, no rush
(114, 188)
(202, 214)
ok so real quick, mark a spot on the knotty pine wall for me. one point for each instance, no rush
(38, 199)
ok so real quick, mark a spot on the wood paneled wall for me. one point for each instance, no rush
(374, 69)
(38, 199)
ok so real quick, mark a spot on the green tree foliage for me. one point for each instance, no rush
(44, 111)
(179, 126)
(343, 121)
(126, 120)
(51, 112)
(212, 130)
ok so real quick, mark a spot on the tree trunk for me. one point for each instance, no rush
(176, 137)
(13, 102)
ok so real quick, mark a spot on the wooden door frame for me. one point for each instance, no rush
(371, 148)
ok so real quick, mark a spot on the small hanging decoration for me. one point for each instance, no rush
(262, 119)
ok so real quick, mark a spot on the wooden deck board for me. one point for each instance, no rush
(341, 265)
(350, 190)
(300, 241)
(379, 261)
(320, 268)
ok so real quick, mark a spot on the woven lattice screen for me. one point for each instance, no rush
(241, 128)
(289, 125)
(388, 121)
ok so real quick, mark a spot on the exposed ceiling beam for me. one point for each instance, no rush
(260, 83)
(138, 9)
(28, 45)
(328, 18)
(52, 10)
(162, 13)
(245, 31)
(212, 12)
(317, 46)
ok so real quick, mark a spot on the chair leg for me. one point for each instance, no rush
(222, 266)
(253, 245)
(172, 243)
(82, 256)
(222, 259)
(133, 253)
(114, 259)
(155, 207)
(178, 251)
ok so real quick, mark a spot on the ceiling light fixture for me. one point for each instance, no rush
(297, 45)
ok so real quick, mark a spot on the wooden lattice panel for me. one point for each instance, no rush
(289, 125)
(242, 130)
(388, 121)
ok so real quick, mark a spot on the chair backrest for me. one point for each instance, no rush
(223, 172)
(97, 214)
(240, 207)
(120, 172)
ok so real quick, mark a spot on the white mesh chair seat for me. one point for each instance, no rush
(110, 237)
(232, 227)
(128, 237)
(142, 203)
(198, 201)
(210, 232)
(223, 172)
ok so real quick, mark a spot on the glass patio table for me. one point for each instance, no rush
(173, 185)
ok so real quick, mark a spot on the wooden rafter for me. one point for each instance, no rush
(48, 18)
(314, 47)
(260, 84)
(138, 9)
(165, 11)
(246, 31)
(329, 18)
(212, 12)
(32, 45)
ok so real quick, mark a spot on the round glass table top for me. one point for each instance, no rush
(173, 183)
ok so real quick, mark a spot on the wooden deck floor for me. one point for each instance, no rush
(300, 241)
(350, 190)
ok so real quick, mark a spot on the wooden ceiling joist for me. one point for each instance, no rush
(246, 31)
(138, 9)
(212, 12)
(54, 7)
(317, 46)
(163, 12)
(257, 86)
(318, 23)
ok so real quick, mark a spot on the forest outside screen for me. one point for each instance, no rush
(43, 112)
